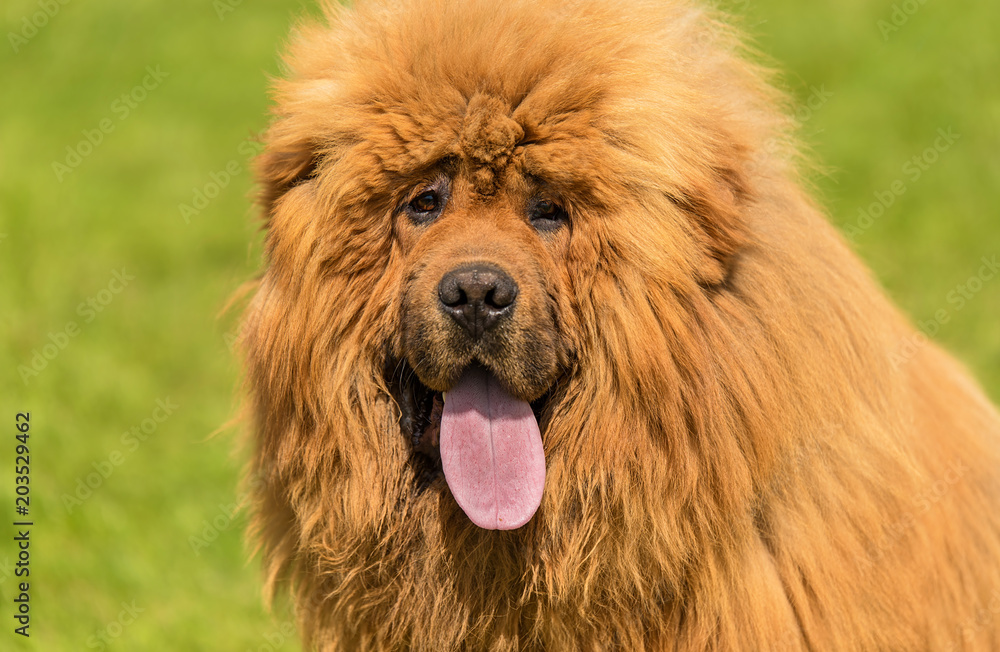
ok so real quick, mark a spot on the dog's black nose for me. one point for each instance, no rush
(477, 297)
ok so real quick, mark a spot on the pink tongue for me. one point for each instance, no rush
(491, 452)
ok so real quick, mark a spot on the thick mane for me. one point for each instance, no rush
(724, 450)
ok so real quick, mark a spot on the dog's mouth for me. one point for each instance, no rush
(420, 411)
(484, 442)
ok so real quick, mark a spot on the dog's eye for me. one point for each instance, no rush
(426, 202)
(426, 206)
(546, 215)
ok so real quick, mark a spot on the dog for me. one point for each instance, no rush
(553, 351)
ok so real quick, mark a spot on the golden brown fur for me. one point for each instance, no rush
(733, 460)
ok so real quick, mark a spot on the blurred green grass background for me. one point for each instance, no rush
(156, 533)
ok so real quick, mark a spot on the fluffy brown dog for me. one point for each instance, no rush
(553, 352)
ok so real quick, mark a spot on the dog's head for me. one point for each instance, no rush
(499, 227)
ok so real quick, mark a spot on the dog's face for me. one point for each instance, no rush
(492, 223)
(484, 240)
(483, 313)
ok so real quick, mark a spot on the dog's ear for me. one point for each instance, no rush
(717, 206)
(284, 163)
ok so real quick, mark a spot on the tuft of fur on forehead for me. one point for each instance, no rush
(734, 461)
(487, 141)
